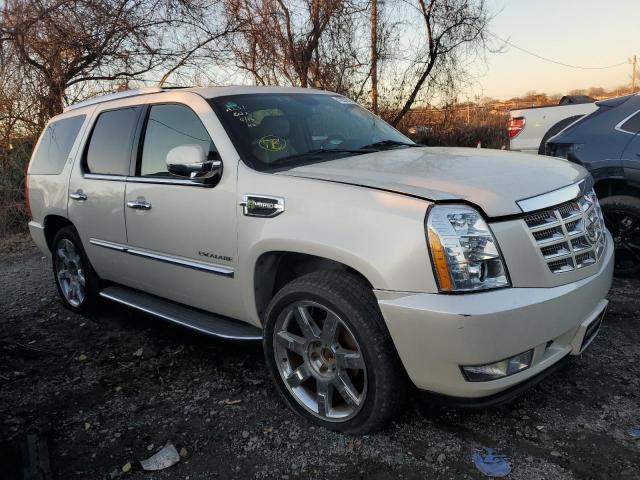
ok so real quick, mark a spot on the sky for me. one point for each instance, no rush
(588, 33)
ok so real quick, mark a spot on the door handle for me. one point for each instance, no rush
(139, 205)
(78, 195)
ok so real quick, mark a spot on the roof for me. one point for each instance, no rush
(206, 92)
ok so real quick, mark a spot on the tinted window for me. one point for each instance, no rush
(109, 149)
(170, 126)
(632, 125)
(55, 146)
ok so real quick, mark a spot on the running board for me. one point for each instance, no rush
(199, 320)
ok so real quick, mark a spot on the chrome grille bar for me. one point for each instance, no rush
(571, 235)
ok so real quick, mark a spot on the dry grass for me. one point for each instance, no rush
(452, 131)
(13, 211)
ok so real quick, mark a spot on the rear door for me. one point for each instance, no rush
(183, 242)
(97, 188)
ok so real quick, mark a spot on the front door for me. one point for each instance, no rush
(181, 235)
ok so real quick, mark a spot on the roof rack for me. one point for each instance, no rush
(114, 96)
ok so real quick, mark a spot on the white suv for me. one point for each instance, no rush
(364, 262)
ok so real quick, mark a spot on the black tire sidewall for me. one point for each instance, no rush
(354, 319)
(92, 285)
(624, 203)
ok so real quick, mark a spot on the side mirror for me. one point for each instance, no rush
(191, 161)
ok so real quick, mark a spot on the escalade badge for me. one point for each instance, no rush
(262, 206)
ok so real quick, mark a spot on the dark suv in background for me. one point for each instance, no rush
(607, 143)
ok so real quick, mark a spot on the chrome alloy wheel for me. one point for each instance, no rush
(69, 272)
(320, 361)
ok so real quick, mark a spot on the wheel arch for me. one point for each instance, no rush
(52, 224)
(608, 187)
(274, 268)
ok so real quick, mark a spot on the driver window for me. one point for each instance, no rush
(170, 126)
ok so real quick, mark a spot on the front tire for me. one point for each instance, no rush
(622, 218)
(78, 284)
(330, 354)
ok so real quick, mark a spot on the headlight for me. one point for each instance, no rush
(464, 254)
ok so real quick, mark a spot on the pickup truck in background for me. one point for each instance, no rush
(530, 128)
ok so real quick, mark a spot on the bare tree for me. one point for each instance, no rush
(374, 56)
(449, 31)
(63, 43)
(301, 42)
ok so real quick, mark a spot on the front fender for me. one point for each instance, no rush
(379, 234)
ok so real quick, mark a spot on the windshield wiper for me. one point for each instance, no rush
(391, 143)
(320, 152)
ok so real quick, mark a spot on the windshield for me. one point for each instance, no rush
(284, 130)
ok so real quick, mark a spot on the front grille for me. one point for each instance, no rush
(570, 236)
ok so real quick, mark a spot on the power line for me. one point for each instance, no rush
(578, 67)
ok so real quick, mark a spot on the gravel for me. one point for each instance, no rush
(113, 388)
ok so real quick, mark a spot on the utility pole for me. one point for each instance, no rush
(374, 56)
(634, 72)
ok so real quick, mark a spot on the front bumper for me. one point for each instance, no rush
(436, 333)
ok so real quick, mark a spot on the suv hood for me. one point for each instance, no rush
(494, 180)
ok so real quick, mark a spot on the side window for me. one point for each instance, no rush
(170, 126)
(109, 151)
(55, 146)
(632, 125)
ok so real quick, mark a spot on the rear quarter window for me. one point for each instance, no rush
(55, 145)
(632, 125)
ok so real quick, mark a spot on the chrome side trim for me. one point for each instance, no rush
(169, 181)
(556, 197)
(111, 178)
(163, 181)
(619, 128)
(183, 262)
(110, 245)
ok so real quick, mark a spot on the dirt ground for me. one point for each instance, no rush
(110, 389)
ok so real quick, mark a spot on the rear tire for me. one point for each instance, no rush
(77, 282)
(622, 218)
(330, 354)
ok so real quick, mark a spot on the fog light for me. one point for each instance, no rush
(503, 368)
